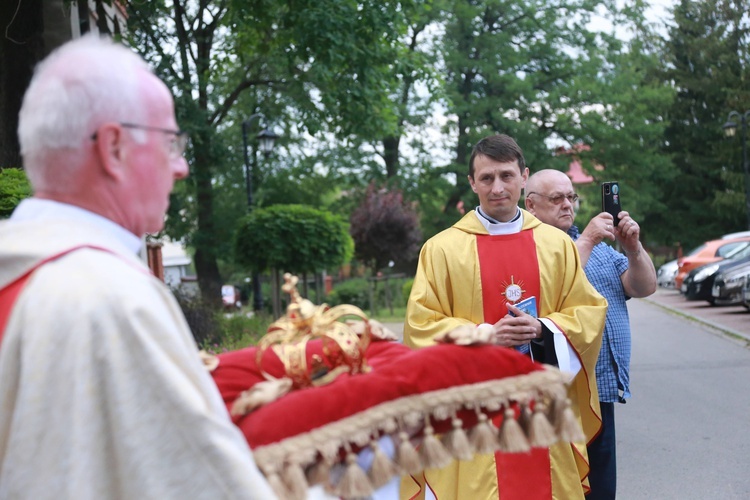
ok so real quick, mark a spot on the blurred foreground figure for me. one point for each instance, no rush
(102, 392)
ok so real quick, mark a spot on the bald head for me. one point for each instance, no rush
(98, 131)
(551, 198)
(79, 86)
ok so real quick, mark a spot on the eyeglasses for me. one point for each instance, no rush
(177, 144)
(558, 199)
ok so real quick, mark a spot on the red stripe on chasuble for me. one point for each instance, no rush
(9, 293)
(509, 272)
(8, 297)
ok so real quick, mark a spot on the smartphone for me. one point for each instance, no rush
(611, 199)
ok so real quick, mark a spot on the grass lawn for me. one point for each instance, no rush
(384, 315)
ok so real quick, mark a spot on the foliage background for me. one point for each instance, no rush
(396, 93)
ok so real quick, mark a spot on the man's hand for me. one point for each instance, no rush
(629, 233)
(516, 330)
(599, 228)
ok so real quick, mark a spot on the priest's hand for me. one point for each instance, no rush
(516, 328)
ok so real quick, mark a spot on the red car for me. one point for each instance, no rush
(710, 251)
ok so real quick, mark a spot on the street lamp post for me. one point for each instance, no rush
(266, 140)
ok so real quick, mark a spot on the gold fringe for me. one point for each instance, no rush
(277, 485)
(483, 437)
(260, 394)
(383, 469)
(295, 482)
(512, 438)
(354, 482)
(432, 452)
(541, 433)
(407, 457)
(320, 473)
(210, 362)
(457, 442)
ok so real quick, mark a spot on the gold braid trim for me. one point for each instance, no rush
(409, 414)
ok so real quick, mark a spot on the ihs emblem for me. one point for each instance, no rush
(513, 291)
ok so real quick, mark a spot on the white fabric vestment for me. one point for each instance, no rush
(102, 393)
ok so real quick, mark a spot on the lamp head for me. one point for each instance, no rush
(267, 140)
(730, 128)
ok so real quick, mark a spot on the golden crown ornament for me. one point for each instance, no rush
(343, 350)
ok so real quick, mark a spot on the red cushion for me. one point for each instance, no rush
(397, 372)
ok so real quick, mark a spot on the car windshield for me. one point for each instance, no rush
(730, 250)
(741, 253)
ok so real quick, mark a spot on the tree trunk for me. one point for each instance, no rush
(206, 267)
(390, 155)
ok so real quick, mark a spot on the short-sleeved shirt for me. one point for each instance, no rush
(603, 269)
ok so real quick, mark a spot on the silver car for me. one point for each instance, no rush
(666, 273)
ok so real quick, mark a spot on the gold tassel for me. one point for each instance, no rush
(524, 418)
(382, 469)
(554, 415)
(512, 438)
(354, 482)
(320, 473)
(457, 443)
(569, 429)
(277, 485)
(483, 437)
(295, 482)
(433, 454)
(541, 433)
(408, 458)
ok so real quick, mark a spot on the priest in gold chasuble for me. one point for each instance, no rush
(500, 268)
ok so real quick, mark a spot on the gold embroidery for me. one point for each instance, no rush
(343, 349)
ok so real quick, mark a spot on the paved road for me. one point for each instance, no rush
(685, 433)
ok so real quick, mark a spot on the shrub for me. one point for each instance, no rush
(13, 188)
(406, 290)
(217, 331)
(354, 291)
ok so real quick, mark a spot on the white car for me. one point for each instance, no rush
(666, 273)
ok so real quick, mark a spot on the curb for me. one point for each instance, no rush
(742, 336)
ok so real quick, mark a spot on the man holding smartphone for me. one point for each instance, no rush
(551, 198)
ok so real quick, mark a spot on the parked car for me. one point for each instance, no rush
(729, 286)
(699, 282)
(666, 273)
(746, 294)
(710, 251)
(230, 297)
(739, 234)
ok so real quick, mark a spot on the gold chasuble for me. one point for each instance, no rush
(466, 276)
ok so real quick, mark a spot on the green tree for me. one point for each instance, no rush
(707, 61)
(509, 65)
(13, 188)
(620, 135)
(292, 238)
(317, 66)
